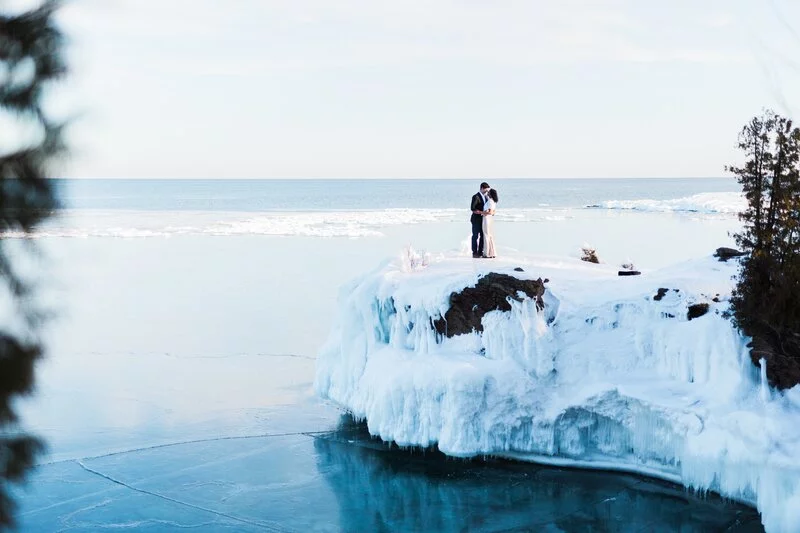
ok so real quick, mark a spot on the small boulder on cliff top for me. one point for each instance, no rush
(723, 254)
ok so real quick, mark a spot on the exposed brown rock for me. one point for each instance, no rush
(492, 292)
(782, 357)
(590, 255)
(697, 310)
(726, 253)
(660, 294)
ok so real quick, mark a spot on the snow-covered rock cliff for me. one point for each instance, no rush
(600, 371)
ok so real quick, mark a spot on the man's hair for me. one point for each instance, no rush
(485, 185)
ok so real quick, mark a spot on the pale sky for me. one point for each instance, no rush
(421, 88)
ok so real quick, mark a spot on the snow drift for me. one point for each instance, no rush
(609, 373)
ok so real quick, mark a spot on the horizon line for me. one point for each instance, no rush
(384, 178)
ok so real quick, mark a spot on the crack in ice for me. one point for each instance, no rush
(267, 527)
(180, 443)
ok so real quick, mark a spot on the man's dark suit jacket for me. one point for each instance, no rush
(476, 205)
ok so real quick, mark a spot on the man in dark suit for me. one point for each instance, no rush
(476, 206)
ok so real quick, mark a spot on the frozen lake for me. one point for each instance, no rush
(177, 391)
(339, 479)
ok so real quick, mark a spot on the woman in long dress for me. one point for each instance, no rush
(488, 224)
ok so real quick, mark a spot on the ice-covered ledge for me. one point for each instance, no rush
(605, 372)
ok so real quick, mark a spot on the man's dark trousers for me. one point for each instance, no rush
(477, 234)
(476, 204)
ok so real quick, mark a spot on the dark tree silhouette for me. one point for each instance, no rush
(30, 58)
(766, 300)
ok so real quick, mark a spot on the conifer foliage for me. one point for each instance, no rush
(30, 58)
(766, 300)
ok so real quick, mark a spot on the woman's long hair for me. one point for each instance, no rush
(493, 195)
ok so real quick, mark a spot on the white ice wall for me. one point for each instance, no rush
(604, 376)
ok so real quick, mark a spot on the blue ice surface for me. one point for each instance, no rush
(341, 479)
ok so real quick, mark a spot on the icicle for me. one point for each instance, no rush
(766, 394)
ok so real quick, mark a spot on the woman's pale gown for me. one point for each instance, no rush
(488, 230)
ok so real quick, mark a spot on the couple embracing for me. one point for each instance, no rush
(483, 206)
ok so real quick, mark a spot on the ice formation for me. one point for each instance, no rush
(710, 203)
(607, 375)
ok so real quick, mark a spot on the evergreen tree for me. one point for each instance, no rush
(766, 300)
(30, 57)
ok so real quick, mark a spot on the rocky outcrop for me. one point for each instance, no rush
(697, 310)
(660, 294)
(781, 354)
(590, 255)
(723, 254)
(493, 292)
